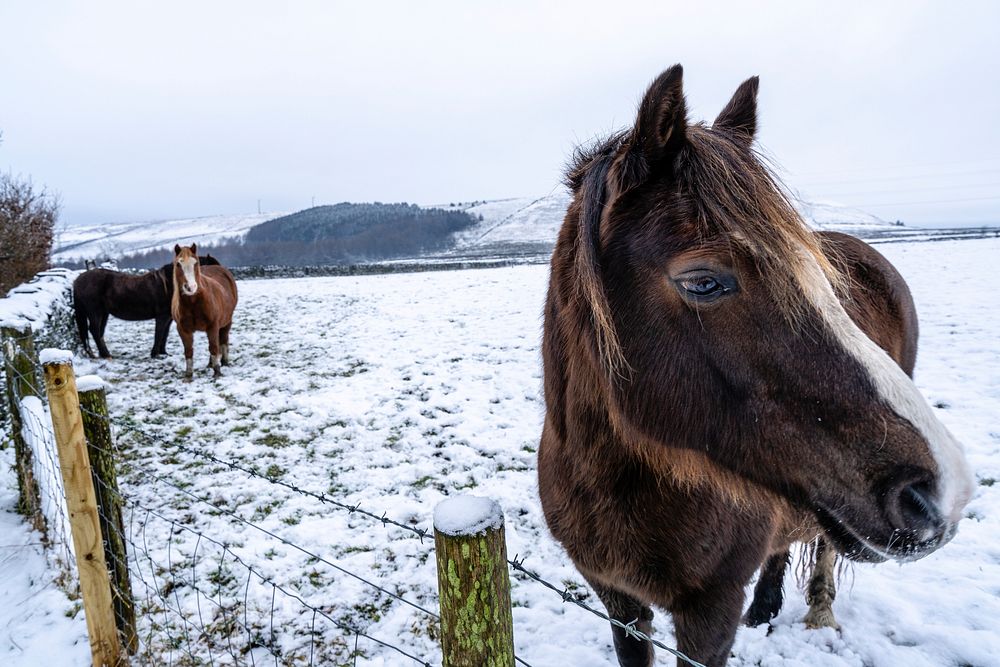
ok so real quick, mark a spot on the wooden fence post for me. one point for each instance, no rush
(100, 448)
(19, 355)
(477, 628)
(74, 464)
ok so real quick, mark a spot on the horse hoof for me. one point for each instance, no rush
(216, 373)
(821, 618)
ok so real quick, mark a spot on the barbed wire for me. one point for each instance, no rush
(567, 596)
(516, 564)
(226, 549)
(420, 533)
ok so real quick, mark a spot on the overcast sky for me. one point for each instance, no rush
(141, 110)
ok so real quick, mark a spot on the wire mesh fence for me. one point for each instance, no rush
(200, 595)
(43, 493)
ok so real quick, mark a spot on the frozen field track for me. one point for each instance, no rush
(393, 391)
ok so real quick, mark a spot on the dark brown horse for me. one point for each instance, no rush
(204, 300)
(721, 382)
(99, 293)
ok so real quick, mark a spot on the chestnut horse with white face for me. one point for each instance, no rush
(204, 300)
(721, 382)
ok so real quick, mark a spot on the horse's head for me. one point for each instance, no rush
(712, 317)
(187, 270)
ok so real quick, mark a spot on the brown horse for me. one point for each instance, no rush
(98, 293)
(204, 300)
(721, 382)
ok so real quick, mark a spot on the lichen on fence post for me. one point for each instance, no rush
(97, 428)
(473, 583)
(85, 525)
(20, 363)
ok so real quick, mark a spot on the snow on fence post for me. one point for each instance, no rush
(100, 448)
(19, 367)
(74, 464)
(477, 628)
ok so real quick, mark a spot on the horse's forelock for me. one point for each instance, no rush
(736, 198)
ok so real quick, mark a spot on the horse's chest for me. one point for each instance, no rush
(194, 320)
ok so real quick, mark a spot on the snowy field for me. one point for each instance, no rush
(394, 391)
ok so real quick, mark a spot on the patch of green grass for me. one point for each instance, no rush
(423, 482)
(265, 509)
(354, 367)
(275, 440)
(274, 471)
(74, 609)
(987, 481)
(180, 410)
(184, 431)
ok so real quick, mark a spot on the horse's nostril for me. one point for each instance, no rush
(916, 511)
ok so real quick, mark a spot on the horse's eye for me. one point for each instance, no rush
(702, 286)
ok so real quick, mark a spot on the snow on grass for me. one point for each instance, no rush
(393, 392)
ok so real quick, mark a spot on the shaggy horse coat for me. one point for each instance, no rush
(721, 382)
(204, 300)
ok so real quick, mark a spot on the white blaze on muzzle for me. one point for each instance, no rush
(955, 483)
(190, 286)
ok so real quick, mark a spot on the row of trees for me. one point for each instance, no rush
(27, 224)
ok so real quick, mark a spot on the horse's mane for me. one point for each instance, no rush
(727, 191)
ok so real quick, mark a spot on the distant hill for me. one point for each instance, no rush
(520, 229)
(343, 233)
(115, 240)
(529, 225)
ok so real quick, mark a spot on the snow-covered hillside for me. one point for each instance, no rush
(113, 240)
(508, 227)
(528, 221)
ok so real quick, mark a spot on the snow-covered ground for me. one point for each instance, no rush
(116, 239)
(394, 391)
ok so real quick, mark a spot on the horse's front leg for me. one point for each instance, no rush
(187, 339)
(706, 624)
(624, 608)
(822, 588)
(213, 351)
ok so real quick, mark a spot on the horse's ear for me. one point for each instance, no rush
(739, 117)
(659, 129)
(177, 248)
(194, 249)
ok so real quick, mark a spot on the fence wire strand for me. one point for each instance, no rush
(193, 630)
